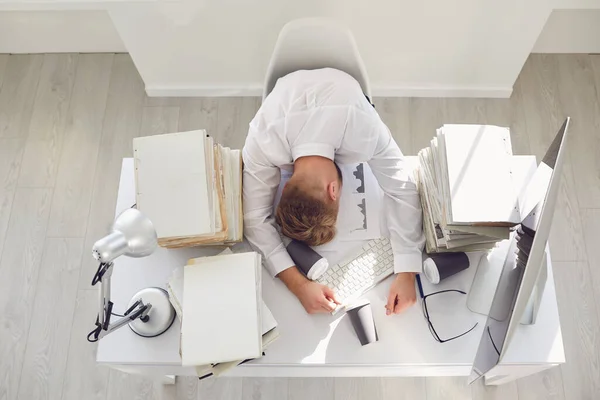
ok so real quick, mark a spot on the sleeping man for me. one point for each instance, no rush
(311, 119)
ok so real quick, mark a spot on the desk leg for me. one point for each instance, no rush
(168, 380)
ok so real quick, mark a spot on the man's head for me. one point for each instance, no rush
(310, 201)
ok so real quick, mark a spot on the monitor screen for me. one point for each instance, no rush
(525, 258)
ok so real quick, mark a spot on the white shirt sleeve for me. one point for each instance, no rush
(401, 204)
(260, 182)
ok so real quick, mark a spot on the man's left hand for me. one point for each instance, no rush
(402, 293)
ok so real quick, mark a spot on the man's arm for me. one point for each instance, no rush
(260, 183)
(402, 210)
(314, 297)
(401, 204)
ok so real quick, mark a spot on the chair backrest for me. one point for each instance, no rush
(312, 43)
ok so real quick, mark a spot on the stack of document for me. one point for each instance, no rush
(190, 188)
(224, 320)
(465, 184)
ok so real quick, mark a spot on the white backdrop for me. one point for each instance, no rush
(222, 47)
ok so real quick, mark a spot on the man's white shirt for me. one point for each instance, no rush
(325, 113)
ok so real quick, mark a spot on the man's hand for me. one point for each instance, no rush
(402, 293)
(314, 297)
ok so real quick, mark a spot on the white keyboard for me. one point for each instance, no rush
(352, 278)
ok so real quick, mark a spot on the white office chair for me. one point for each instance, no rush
(312, 43)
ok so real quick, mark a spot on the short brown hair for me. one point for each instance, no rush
(305, 217)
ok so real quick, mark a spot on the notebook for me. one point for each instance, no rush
(222, 315)
(190, 188)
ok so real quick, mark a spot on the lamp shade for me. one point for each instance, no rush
(132, 235)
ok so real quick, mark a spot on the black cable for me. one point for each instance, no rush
(95, 336)
(492, 340)
(117, 315)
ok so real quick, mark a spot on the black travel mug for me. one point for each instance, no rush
(307, 260)
(438, 267)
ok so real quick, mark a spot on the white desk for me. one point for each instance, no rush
(323, 345)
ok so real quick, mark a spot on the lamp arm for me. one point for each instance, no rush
(103, 326)
(140, 311)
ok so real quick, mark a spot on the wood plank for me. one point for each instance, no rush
(578, 99)
(403, 388)
(479, 391)
(357, 388)
(454, 387)
(591, 222)
(18, 93)
(543, 117)
(264, 388)
(199, 113)
(311, 388)
(395, 113)
(595, 62)
(85, 379)
(11, 152)
(50, 332)
(235, 114)
(122, 122)
(228, 120)
(497, 111)
(220, 388)
(3, 63)
(518, 126)
(580, 330)
(547, 385)
(47, 126)
(83, 130)
(476, 111)
(186, 388)
(19, 268)
(425, 117)
(159, 120)
(124, 386)
(463, 111)
(164, 101)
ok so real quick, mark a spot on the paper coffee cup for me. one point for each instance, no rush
(361, 316)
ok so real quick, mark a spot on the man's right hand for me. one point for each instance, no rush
(314, 297)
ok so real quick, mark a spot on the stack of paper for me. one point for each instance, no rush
(222, 309)
(175, 287)
(465, 183)
(190, 188)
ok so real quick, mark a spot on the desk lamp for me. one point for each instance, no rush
(149, 312)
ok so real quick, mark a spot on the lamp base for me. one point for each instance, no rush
(161, 315)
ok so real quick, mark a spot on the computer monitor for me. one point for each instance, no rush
(523, 276)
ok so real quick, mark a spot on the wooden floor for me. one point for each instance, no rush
(67, 120)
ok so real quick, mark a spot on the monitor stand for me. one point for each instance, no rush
(487, 277)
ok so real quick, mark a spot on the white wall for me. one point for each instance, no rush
(222, 47)
(84, 31)
(570, 31)
(426, 47)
